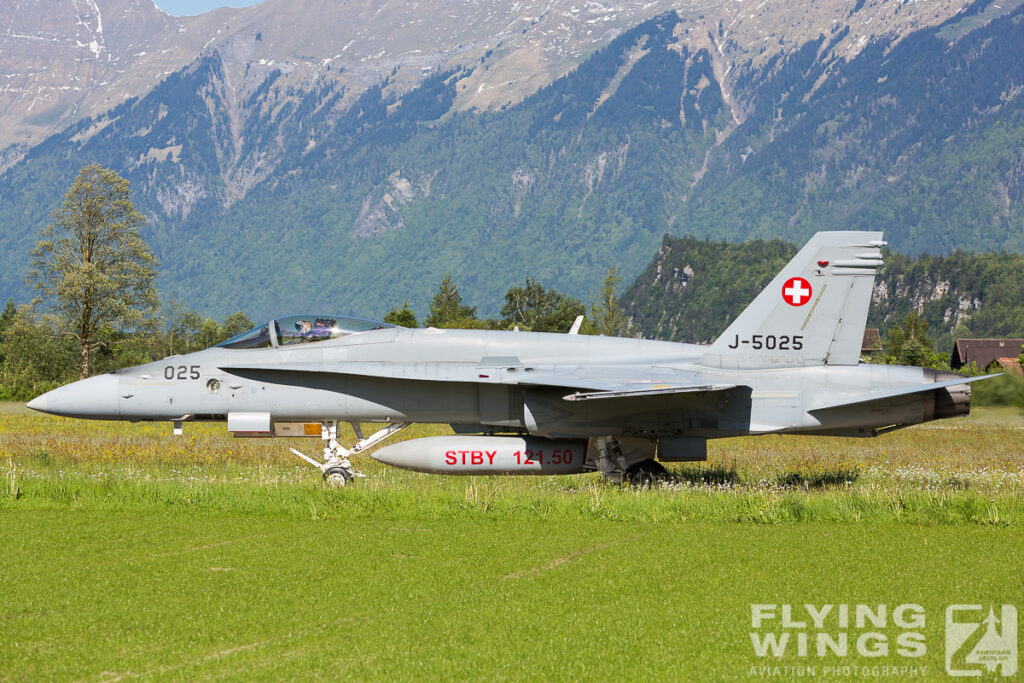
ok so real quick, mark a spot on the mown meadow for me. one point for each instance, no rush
(955, 471)
(127, 552)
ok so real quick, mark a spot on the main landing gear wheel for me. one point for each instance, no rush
(646, 473)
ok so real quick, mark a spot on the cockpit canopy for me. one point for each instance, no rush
(300, 329)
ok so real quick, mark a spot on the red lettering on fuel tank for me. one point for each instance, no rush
(490, 456)
(449, 458)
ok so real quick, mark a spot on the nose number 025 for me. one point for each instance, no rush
(181, 372)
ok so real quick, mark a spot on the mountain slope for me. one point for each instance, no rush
(394, 178)
(268, 193)
(921, 138)
(65, 61)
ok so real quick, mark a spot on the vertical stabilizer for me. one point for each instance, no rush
(812, 313)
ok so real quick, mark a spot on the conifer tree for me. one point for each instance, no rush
(447, 309)
(607, 315)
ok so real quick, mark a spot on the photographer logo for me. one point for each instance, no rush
(978, 643)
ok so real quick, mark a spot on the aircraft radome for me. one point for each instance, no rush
(543, 403)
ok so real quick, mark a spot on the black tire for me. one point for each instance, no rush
(646, 473)
(337, 476)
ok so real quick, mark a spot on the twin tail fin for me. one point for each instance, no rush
(813, 312)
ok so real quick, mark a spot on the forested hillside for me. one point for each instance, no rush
(693, 289)
(288, 199)
(921, 139)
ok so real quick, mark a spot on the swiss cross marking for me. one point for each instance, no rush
(796, 291)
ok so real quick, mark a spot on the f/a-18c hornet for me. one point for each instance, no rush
(543, 403)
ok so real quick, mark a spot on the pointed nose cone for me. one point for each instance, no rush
(38, 403)
(404, 454)
(91, 398)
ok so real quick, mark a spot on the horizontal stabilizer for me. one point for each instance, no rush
(886, 394)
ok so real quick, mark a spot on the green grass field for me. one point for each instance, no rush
(126, 552)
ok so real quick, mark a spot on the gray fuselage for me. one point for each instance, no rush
(490, 381)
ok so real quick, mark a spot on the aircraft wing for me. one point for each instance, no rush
(423, 372)
(634, 391)
(589, 381)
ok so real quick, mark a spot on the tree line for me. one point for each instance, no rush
(530, 308)
(38, 352)
(97, 309)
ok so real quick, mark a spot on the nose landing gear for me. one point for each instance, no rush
(336, 467)
(340, 476)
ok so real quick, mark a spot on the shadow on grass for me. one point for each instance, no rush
(714, 474)
(957, 483)
(828, 478)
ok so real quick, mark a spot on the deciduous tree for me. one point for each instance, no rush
(909, 344)
(403, 316)
(91, 268)
(35, 360)
(536, 309)
(6, 318)
(235, 324)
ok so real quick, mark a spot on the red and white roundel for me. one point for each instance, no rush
(797, 291)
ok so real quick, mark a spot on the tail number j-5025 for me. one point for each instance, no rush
(772, 342)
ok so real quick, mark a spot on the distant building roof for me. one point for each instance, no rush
(872, 341)
(1009, 365)
(983, 351)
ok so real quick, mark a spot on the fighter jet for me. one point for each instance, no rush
(544, 403)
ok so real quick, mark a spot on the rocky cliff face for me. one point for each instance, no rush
(64, 61)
